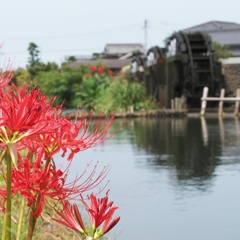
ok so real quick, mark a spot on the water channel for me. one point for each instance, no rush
(173, 179)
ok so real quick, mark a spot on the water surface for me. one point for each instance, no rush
(173, 179)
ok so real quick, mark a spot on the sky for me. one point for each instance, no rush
(82, 27)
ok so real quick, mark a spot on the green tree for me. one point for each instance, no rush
(63, 83)
(221, 51)
(33, 59)
(72, 59)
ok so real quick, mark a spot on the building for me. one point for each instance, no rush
(226, 33)
(115, 56)
(123, 51)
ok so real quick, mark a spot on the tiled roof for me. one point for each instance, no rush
(112, 49)
(110, 63)
(214, 26)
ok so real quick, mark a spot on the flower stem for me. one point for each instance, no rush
(9, 197)
(32, 219)
(30, 224)
(21, 219)
(3, 230)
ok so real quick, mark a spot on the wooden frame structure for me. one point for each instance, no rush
(221, 99)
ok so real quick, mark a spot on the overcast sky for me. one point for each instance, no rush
(77, 27)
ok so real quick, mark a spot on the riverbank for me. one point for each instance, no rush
(211, 112)
(161, 113)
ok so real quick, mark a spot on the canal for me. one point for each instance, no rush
(173, 179)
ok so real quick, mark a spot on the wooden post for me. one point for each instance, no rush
(220, 106)
(204, 102)
(236, 111)
(172, 104)
(177, 103)
(204, 131)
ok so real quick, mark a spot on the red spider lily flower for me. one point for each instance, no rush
(93, 68)
(35, 181)
(5, 78)
(101, 212)
(74, 135)
(78, 136)
(71, 218)
(100, 69)
(24, 112)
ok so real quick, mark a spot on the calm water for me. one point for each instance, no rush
(173, 179)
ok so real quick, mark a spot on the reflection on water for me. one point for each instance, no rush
(184, 144)
(174, 179)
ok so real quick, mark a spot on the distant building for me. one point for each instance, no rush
(76, 57)
(226, 33)
(123, 51)
(113, 64)
(115, 56)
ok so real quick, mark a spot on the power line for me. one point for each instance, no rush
(55, 50)
(73, 36)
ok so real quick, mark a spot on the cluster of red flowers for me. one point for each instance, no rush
(100, 70)
(29, 122)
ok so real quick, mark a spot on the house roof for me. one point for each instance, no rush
(110, 63)
(121, 49)
(226, 33)
(214, 26)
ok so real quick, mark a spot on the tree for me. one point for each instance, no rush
(221, 51)
(33, 59)
(72, 59)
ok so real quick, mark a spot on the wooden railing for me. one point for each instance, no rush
(221, 99)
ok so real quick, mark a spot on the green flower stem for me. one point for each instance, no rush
(4, 224)
(21, 219)
(9, 197)
(30, 224)
(32, 219)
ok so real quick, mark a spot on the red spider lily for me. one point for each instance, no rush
(71, 217)
(78, 136)
(100, 69)
(93, 68)
(34, 180)
(74, 135)
(24, 112)
(5, 78)
(101, 212)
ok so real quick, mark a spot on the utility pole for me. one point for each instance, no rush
(145, 33)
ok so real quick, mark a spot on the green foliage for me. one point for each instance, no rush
(34, 65)
(123, 93)
(92, 87)
(221, 51)
(64, 85)
(72, 59)
(21, 77)
(33, 59)
(92, 90)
